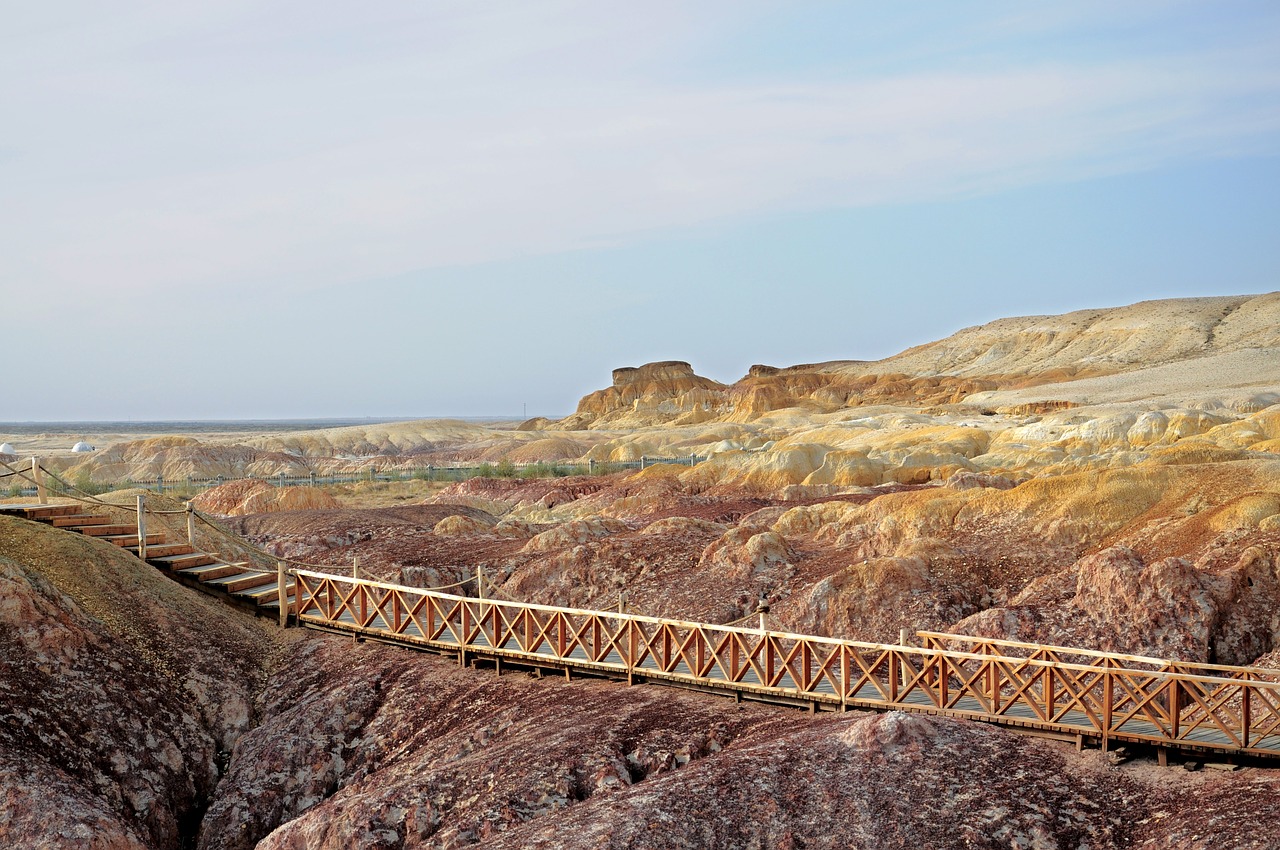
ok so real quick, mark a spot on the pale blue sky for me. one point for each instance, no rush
(424, 208)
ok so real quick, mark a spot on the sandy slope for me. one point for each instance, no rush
(1231, 380)
(1107, 340)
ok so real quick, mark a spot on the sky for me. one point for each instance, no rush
(296, 209)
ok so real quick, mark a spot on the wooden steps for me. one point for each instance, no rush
(106, 529)
(208, 573)
(40, 512)
(265, 595)
(182, 562)
(165, 550)
(271, 602)
(76, 522)
(130, 541)
(241, 581)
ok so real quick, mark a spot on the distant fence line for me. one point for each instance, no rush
(500, 469)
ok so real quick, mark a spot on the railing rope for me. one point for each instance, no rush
(160, 484)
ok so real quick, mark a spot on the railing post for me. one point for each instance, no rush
(463, 629)
(142, 526)
(35, 473)
(632, 651)
(191, 525)
(1246, 717)
(893, 676)
(1175, 707)
(844, 678)
(282, 592)
(770, 661)
(1107, 697)
(357, 595)
(903, 676)
(1049, 696)
(944, 676)
(479, 582)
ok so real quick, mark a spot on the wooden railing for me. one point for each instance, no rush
(1107, 701)
(1093, 657)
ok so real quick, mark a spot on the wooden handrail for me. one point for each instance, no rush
(1109, 701)
(941, 638)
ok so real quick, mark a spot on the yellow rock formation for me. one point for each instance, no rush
(461, 526)
(1179, 382)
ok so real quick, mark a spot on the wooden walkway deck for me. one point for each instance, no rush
(1063, 691)
(1107, 702)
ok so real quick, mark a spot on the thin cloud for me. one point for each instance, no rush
(367, 158)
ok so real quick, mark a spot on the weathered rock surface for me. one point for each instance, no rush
(357, 745)
(330, 535)
(1015, 481)
(248, 496)
(371, 747)
(121, 694)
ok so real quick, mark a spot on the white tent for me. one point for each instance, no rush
(82, 447)
(7, 449)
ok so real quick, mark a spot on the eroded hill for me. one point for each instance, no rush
(139, 714)
(1107, 478)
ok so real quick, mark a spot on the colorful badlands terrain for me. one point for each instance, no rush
(1108, 478)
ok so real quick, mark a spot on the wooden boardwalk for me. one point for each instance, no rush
(1232, 710)
(1063, 691)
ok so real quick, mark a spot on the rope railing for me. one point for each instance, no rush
(481, 584)
(453, 472)
(295, 562)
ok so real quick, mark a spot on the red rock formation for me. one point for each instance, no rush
(121, 695)
(363, 745)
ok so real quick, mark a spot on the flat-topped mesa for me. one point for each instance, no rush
(662, 371)
(667, 388)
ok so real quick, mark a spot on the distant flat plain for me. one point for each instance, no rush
(53, 439)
